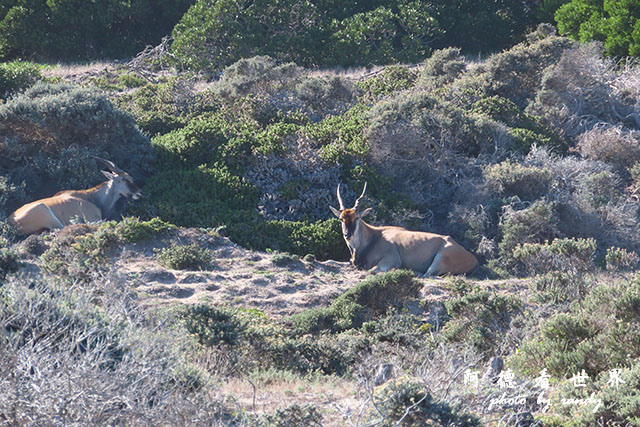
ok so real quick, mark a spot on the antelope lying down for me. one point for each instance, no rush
(66, 206)
(384, 248)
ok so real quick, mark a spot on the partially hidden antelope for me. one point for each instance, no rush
(383, 248)
(70, 206)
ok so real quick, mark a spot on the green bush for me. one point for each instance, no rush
(613, 22)
(214, 35)
(97, 30)
(397, 328)
(162, 107)
(516, 73)
(620, 259)
(260, 75)
(205, 196)
(479, 318)
(257, 342)
(391, 80)
(600, 189)
(574, 256)
(17, 75)
(80, 249)
(284, 259)
(514, 179)
(620, 401)
(293, 416)
(340, 137)
(213, 325)
(372, 37)
(597, 334)
(371, 298)
(321, 238)
(408, 403)
(559, 287)
(441, 68)
(184, 257)
(8, 261)
(133, 230)
(535, 223)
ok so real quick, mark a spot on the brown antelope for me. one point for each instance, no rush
(66, 206)
(384, 248)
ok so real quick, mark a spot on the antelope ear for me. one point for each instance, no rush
(109, 175)
(335, 211)
(364, 213)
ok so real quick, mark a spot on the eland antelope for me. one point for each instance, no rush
(383, 248)
(66, 206)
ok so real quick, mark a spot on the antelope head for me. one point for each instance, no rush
(350, 218)
(120, 182)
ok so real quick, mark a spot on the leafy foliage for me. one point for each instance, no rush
(97, 30)
(613, 22)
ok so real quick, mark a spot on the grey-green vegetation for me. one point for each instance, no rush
(528, 155)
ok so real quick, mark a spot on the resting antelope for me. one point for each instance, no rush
(384, 248)
(89, 205)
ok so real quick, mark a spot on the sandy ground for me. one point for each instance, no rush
(241, 277)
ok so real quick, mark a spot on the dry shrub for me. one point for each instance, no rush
(578, 93)
(615, 145)
(48, 134)
(91, 355)
(441, 68)
(422, 143)
(515, 73)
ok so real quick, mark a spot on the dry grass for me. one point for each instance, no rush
(75, 71)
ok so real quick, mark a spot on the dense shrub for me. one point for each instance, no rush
(534, 224)
(613, 22)
(597, 334)
(184, 257)
(516, 73)
(405, 402)
(441, 68)
(619, 259)
(614, 145)
(214, 35)
(293, 415)
(559, 287)
(372, 37)
(162, 107)
(390, 80)
(581, 91)
(321, 238)
(371, 298)
(70, 342)
(572, 256)
(479, 318)
(8, 261)
(97, 30)
(613, 401)
(340, 137)
(50, 132)
(212, 325)
(17, 75)
(513, 179)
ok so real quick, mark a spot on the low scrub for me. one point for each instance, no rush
(370, 299)
(595, 335)
(479, 318)
(406, 402)
(184, 257)
(574, 256)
